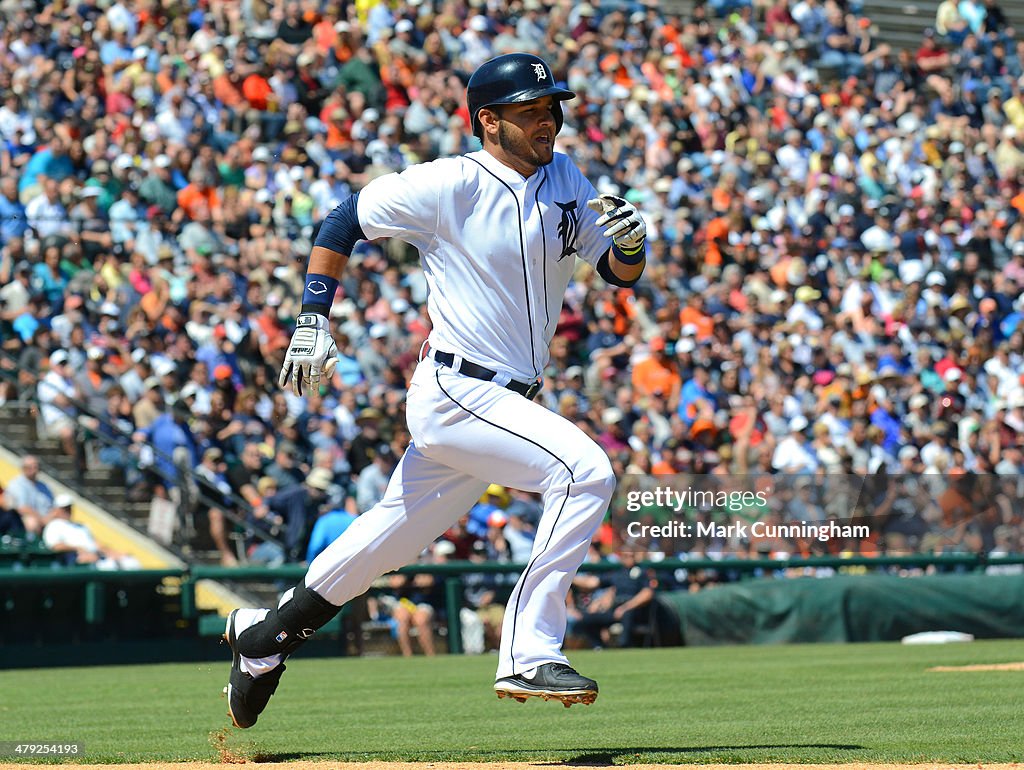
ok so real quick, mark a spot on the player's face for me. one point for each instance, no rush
(526, 132)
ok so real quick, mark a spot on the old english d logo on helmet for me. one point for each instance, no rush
(513, 78)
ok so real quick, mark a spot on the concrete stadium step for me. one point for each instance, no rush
(47, 446)
(102, 475)
(138, 511)
(18, 429)
(60, 463)
(111, 492)
(16, 408)
(17, 422)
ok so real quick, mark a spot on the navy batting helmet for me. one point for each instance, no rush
(512, 78)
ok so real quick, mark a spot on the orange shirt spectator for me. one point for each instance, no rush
(154, 302)
(336, 119)
(738, 301)
(257, 91)
(656, 374)
(196, 200)
(780, 272)
(694, 314)
(717, 235)
(740, 425)
(325, 34)
(1018, 202)
(656, 81)
(621, 310)
(663, 468)
(164, 81)
(225, 88)
(671, 42)
(272, 334)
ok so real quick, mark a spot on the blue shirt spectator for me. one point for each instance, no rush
(328, 528)
(13, 223)
(168, 433)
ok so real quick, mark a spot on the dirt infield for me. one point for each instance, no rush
(982, 667)
(516, 766)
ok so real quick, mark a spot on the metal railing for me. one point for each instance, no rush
(113, 436)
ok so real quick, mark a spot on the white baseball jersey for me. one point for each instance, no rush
(498, 250)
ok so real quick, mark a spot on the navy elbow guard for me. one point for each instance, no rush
(341, 228)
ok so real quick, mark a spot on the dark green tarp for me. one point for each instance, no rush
(863, 608)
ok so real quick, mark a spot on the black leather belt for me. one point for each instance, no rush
(477, 372)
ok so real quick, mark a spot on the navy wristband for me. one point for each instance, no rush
(634, 258)
(320, 290)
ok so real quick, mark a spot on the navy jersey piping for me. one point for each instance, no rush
(522, 254)
(568, 491)
(544, 251)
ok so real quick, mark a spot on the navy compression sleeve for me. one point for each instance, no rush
(341, 229)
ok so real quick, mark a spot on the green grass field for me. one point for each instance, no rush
(813, 703)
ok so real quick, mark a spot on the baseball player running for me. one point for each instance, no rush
(498, 232)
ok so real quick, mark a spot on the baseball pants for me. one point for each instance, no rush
(468, 433)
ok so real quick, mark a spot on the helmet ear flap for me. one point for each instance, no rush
(556, 110)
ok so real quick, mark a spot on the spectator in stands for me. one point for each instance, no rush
(494, 500)
(410, 609)
(245, 475)
(296, 509)
(949, 23)
(486, 610)
(616, 597)
(330, 525)
(260, 521)
(657, 373)
(373, 481)
(794, 454)
(114, 426)
(47, 217)
(62, 535)
(57, 393)
(366, 442)
(29, 496)
(519, 533)
(287, 469)
(10, 521)
(13, 222)
(93, 383)
(170, 446)
(214, 499)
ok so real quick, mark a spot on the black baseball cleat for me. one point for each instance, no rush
(247, 696)
(551, 680)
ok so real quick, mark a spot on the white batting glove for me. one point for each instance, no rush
(312, 353)
(626, 227)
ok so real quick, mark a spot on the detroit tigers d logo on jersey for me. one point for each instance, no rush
(567, 228)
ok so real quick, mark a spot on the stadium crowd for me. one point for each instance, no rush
(835, 260)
